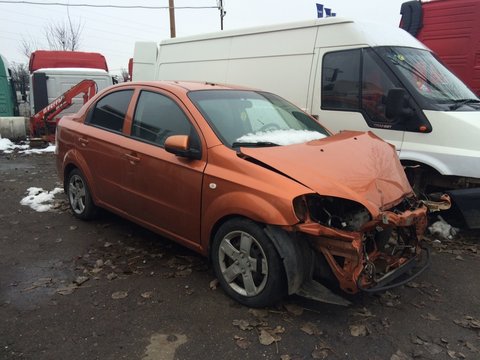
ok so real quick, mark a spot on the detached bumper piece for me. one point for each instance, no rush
(415, 265)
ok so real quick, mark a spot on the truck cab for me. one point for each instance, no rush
(52, 73)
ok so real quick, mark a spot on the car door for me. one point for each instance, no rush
(164, 189)
(102, 146)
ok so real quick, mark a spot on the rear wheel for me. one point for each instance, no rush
(79, 196)
(247, 264)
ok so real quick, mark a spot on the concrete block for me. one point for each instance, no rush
(13, 128)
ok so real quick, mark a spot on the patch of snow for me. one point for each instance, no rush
(8, 147)
(40, 200)
(282, 137)
(443, 229)
(48, 149)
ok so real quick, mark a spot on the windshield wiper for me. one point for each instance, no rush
(459, 103)
(411, 68)
(253, 144)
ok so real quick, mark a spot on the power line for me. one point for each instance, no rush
(107, 6)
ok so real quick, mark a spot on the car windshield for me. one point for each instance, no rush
(423, 74)
(251, 118)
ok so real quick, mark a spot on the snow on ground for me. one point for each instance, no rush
(8, 147)
(40, 200)
(48, 149)
(443, 229)
(282, 137)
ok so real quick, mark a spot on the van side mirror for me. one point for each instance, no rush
(180, 146)
(395, 105)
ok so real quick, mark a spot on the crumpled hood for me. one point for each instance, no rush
(351, 165)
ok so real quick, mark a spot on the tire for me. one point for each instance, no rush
(247, 264)
(79, 196)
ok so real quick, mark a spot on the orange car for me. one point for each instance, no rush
(244, 177)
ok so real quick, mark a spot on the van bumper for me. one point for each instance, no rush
(467, 201)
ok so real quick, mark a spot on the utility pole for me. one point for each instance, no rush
(171, 10)
(222, 13)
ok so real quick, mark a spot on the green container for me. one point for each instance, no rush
(8, 98)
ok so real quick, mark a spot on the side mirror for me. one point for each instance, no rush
(180, 146)
(395, 106)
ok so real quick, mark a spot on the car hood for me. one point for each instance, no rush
(352, 165)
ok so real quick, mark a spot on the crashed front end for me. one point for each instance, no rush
(363, 252)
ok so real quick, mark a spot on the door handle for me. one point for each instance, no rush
(83, 141)
(132, 158)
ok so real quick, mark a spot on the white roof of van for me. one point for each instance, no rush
(73, 71)
(357, 32)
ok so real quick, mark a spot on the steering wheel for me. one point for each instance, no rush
(269, 126)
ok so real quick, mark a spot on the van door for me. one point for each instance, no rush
(350, 92)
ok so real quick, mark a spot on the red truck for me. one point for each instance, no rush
(451, 28)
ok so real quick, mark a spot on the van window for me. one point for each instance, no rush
(158, 117)
(376, 83)
(109, 112)
(341, 80)
(358, 80)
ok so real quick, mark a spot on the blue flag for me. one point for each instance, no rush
(328, 12)
(319, 10)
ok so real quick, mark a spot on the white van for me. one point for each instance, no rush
(349, 75)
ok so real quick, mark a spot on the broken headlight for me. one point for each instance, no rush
(336, 212)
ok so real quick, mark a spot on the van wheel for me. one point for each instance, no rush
(79, 196)
(247, 264)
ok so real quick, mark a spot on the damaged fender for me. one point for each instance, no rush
(298, 259)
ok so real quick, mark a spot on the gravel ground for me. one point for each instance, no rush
(108, 289)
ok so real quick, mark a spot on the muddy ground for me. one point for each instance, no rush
(108, 289)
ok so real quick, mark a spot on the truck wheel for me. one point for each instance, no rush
(79, 196)
(247, 264)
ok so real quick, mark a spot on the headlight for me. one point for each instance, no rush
(300, 208)
(336, 212)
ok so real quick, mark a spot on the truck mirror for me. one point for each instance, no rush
(395, 103)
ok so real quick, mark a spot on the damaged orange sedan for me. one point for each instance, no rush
(277, 203)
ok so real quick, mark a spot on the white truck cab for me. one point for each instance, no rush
(350, 75)
(49, 83)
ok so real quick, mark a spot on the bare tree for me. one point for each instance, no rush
(125, 74)
(64, 36)
(28, 46)
(20, 76)
(59, 36)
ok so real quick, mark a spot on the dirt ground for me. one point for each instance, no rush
(108, 289)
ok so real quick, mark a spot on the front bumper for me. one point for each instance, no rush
(467, 201)
(357, 259)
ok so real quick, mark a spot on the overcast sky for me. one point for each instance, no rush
(113, 32)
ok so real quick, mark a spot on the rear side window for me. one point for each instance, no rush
(341, 80)
(158, 117)
(109, 112)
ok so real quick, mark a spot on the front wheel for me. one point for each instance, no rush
(79, 196)
(247, 264)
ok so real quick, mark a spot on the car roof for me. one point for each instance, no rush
(185, 85)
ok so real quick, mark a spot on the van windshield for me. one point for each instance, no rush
(425, 75)
(252, 118)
